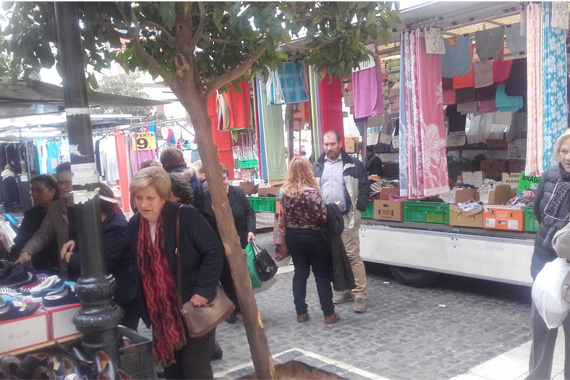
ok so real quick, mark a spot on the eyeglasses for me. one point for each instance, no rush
(64, 183)
(548, 204)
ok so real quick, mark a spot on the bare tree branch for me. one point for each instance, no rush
(241, 69)
(161, 28)
(203, 22)
(288, 43)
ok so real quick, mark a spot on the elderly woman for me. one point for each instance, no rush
(552, 210)
(44, 192)
(305, 212)
(152, 241)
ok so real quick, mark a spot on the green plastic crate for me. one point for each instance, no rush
(262, 204)
(530, 222)
(369, 213)
(248, 164)
(426, 212)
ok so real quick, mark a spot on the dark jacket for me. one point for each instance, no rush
(200, 249)
(48, 257)
(374, 165)
(244, 216)
(342, 275)
(357, 188)
(196, 186)
(117, 256)
(543, 254)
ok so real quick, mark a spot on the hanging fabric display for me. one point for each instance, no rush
(273, 137)
(260, 135)
(555, 86)
(534, 147)
(424, 127)
(368, 97)
(331, 106)
(291, 83)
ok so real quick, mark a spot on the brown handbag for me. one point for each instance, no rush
(201, 320)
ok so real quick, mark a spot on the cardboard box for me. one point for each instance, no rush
(517, 149)
(471, 218)
(465, 195)
(497, 144)
(385, 193)
(473, 178)
(494, 169)
(350, 146)
(61, 321)
(268, 191)
(22, 333)
(248, 187)
(503, 218)
(456, 139)
(511, 179)
(389, 210)
(516, 166)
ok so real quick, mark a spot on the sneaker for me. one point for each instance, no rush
(303, 318)
(360, 305)
(333, 318)
(342, 298)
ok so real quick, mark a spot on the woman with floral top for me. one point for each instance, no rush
(304, 213)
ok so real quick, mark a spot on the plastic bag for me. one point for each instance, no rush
(253, 276)
(547, 292)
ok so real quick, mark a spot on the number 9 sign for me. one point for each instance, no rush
(145, 141)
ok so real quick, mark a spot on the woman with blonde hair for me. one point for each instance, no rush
(153, 241)
(304, 213)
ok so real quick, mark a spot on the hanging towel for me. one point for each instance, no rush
(448, 97)
(489, 43)
(239, 106)
(466, 108)
(516, 83)
(404, 109)
(291, 81)
(501, 70)
(274, 139)
(467, 80)
(507, 103)
(465, 95)
(515, 41)
(260, 106)
(431, 127)
(455, 120)
(487, 106)
(457, 59)
(555, 90)
(503, 118)
(368, 98)
(483, 74)
(331, 106)
(447, 83)
(486, 93)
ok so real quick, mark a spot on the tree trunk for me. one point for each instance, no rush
(196, 106)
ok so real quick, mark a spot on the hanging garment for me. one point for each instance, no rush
(455, 121)
(291, 81)
(486, 93)
(121, 167)
(457, 59)
(53, 156)
(487, 106)
(465, 95)
(483, 74)
(138, 156)
(449, 97)
(489, 43)
(331, 105)
(555, 90)
(516, 83)
(534, 38)
(467, 80)
(515, 41)
(368, 98)
(259, 104)
(467, 108)
(507, 103)
(239, 106)
(41, 145)
(447, 83)
(501, 70)
(504, 118)
(274, 139)
(274, 92)
(404, 115)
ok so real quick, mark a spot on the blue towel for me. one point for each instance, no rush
(507, 103)
(292, 87)
(457, 59)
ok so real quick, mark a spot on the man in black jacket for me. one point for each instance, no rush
(343, 181)
(373, 163)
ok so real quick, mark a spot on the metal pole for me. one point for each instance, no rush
(99, 315)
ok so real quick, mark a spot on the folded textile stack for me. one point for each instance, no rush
(507, 103)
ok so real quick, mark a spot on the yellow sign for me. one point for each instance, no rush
(145, 141)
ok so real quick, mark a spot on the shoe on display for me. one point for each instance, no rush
(9, 364)
(17, 309)
(67, 370)
(65, 295)
(343, 297)
(30, 363)
(360, 305)
(36, 291)
(333, 318)
(303, 318)
(44, 373)
(104, 366)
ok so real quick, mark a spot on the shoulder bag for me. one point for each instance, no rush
(201, 320)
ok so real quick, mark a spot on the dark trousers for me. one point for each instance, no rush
(131, 317)
(542, 348)
(309, 250)
(193, 360)
(228, 283)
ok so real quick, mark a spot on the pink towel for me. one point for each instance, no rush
(501, 69)
(331, 105)
(368, 97)
(487, 106)
(448, 97)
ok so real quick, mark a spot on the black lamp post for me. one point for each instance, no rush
(99, 315)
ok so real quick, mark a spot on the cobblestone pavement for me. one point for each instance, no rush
(407, 333)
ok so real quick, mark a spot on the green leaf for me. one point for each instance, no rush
(167, 12)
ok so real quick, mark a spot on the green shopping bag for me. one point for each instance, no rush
(253, 276)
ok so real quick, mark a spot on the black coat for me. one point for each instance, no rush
(374, 165)
(244, 216)
(196, 186)
(117, 257)
(200, 249)
(342, 275)
(543, 254)
(47, 258)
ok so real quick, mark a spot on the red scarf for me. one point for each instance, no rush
(160, 293)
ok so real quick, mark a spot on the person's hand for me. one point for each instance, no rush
(198, 301)
(250, 237)
(67, 251)
(23, 258)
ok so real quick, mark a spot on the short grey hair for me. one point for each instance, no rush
(155, 176)
(559, 143)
